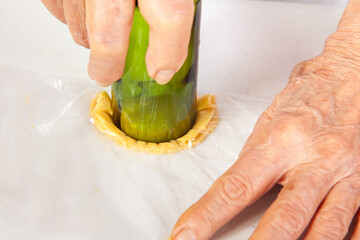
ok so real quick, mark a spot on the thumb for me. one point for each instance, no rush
(248, 179)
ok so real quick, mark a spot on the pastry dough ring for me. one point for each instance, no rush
(102, 111)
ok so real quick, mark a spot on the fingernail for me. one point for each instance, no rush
(164, 76)
(185, 234)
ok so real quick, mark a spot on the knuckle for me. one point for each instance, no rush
(108, 42)
(333, 145)
(296, 71)
(278, 99)
(105, 42)
(287, 130)
(236, 188)
(177, 13)
(306, 67)
(333, 225)
(290, 219)
(265, 117)
(334, 221)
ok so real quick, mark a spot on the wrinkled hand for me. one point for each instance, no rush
(308, 140)
(104, 26)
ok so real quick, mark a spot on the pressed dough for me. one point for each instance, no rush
(102, 112)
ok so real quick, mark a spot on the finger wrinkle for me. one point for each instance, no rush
(236, 189)
(295, 221)
(328, 234)
(312, 173)
(332, 145)
(338, 218)
(344, 48)
(108, 44)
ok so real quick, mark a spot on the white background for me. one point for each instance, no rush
(57, 191)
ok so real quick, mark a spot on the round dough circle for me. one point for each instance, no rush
(102, 113)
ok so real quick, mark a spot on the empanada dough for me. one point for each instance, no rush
(102, 112)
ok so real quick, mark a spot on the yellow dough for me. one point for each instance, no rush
(102, 112)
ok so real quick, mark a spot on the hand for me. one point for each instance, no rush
(308, 140)
(104, 26)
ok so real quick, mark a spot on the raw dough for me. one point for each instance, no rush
(102, 111)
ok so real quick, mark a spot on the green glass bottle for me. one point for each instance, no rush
(149, 111)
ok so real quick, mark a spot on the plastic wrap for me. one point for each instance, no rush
(63, 179)
(149, 111)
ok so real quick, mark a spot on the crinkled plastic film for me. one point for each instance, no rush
(61, 178)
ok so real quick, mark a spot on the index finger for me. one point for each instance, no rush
(109, 25)
(246, 181)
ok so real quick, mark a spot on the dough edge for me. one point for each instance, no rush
(102, 111)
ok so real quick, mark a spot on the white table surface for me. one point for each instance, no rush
(247, 47)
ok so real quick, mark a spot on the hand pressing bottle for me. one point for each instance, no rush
(308, 140)
(104, 27)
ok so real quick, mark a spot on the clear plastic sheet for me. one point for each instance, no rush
(60, 178)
